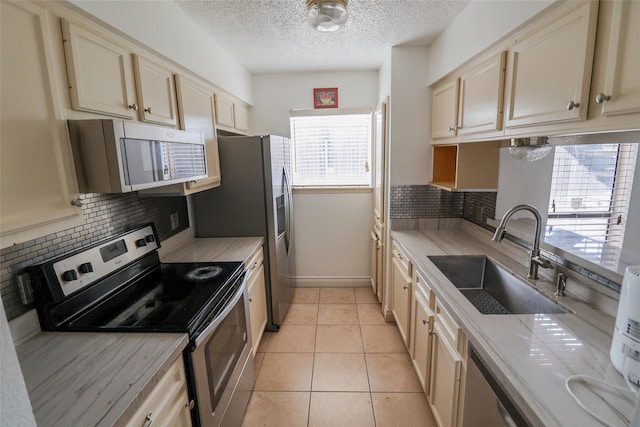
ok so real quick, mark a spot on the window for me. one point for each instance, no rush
(589, 199)
(331, 148)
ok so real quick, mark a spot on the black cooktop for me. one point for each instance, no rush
(172, 297)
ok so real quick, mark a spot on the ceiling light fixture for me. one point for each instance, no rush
(327, 15)
(529, 149)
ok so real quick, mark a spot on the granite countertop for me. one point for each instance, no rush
(82, 379)
(530, 355)
(77, 379)
(184, 248)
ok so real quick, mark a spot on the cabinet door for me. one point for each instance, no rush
(168, 404)
(257, 305)
(380, 270)
(100, 73)
(373, 261)
(444, 389)
(379, 161)
(421, 328)
(550, 70)
(197, 114)
(224, 111)
(37, 176)
(401, 288)
(241, 118)
(620, 60)
(481, 94)
(444, 111)
(156, 93)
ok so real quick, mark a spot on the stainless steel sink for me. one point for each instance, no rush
(491, 288)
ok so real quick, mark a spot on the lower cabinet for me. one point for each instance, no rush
(448, 369)
(168, 403)
(421, 330)
(257, 298)
(401, 292)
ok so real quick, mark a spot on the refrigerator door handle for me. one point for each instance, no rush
(288, 209)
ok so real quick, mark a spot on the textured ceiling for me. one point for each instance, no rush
(269, 36)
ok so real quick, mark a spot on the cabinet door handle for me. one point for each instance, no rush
(77, 202)
(133, 107)
(571, 105)
(404, 287)
(190, 404)
(602, 98)
(148, 110)
(148, 420)
(453, 128)
(424, 322)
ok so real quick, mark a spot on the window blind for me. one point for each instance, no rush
(331, 149)
(589, 199)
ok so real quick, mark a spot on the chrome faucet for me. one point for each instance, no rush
(535, 259)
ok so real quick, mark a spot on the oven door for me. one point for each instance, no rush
(223, 370)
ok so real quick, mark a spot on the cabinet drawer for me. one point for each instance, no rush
(425, 289)
(255, 260)
(450, 329)
(170, 391)
(402, 258)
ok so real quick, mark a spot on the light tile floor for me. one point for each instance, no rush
(335, 362)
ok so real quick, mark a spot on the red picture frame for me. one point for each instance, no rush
(326, 97)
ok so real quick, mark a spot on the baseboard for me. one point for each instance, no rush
(332, 282)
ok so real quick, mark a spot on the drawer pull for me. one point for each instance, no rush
(148, 420)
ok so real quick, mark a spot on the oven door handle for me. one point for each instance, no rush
(209, 330)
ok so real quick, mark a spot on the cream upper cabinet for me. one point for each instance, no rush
(241, 117)
(100, 72)
(197, 114)
(616, 84)
(444, 110)
(231, 114)
(549, 68)
(156, 92)
(481, 95)
(37, 176)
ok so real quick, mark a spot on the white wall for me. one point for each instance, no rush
(164, 27)
(331, 230)
(410, 117)
(480, 24)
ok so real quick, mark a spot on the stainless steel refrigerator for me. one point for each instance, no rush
(255, 199)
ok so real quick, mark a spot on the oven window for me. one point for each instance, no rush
(223, 351)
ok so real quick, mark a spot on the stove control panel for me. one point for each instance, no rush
(85, 267)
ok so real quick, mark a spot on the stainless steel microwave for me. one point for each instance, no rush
(117, 156)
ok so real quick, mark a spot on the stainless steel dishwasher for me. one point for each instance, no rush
(486, 404)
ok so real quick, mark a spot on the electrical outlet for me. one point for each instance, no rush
(175, 223)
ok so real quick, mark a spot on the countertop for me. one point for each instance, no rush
(530, 355)
(82, 379)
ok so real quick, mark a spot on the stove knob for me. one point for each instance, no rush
(150, 238)
(69, 276)
(85, 268)
(140, 243)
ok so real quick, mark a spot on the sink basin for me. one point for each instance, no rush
(491, 288)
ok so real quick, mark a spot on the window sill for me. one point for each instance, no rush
(332, 190)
